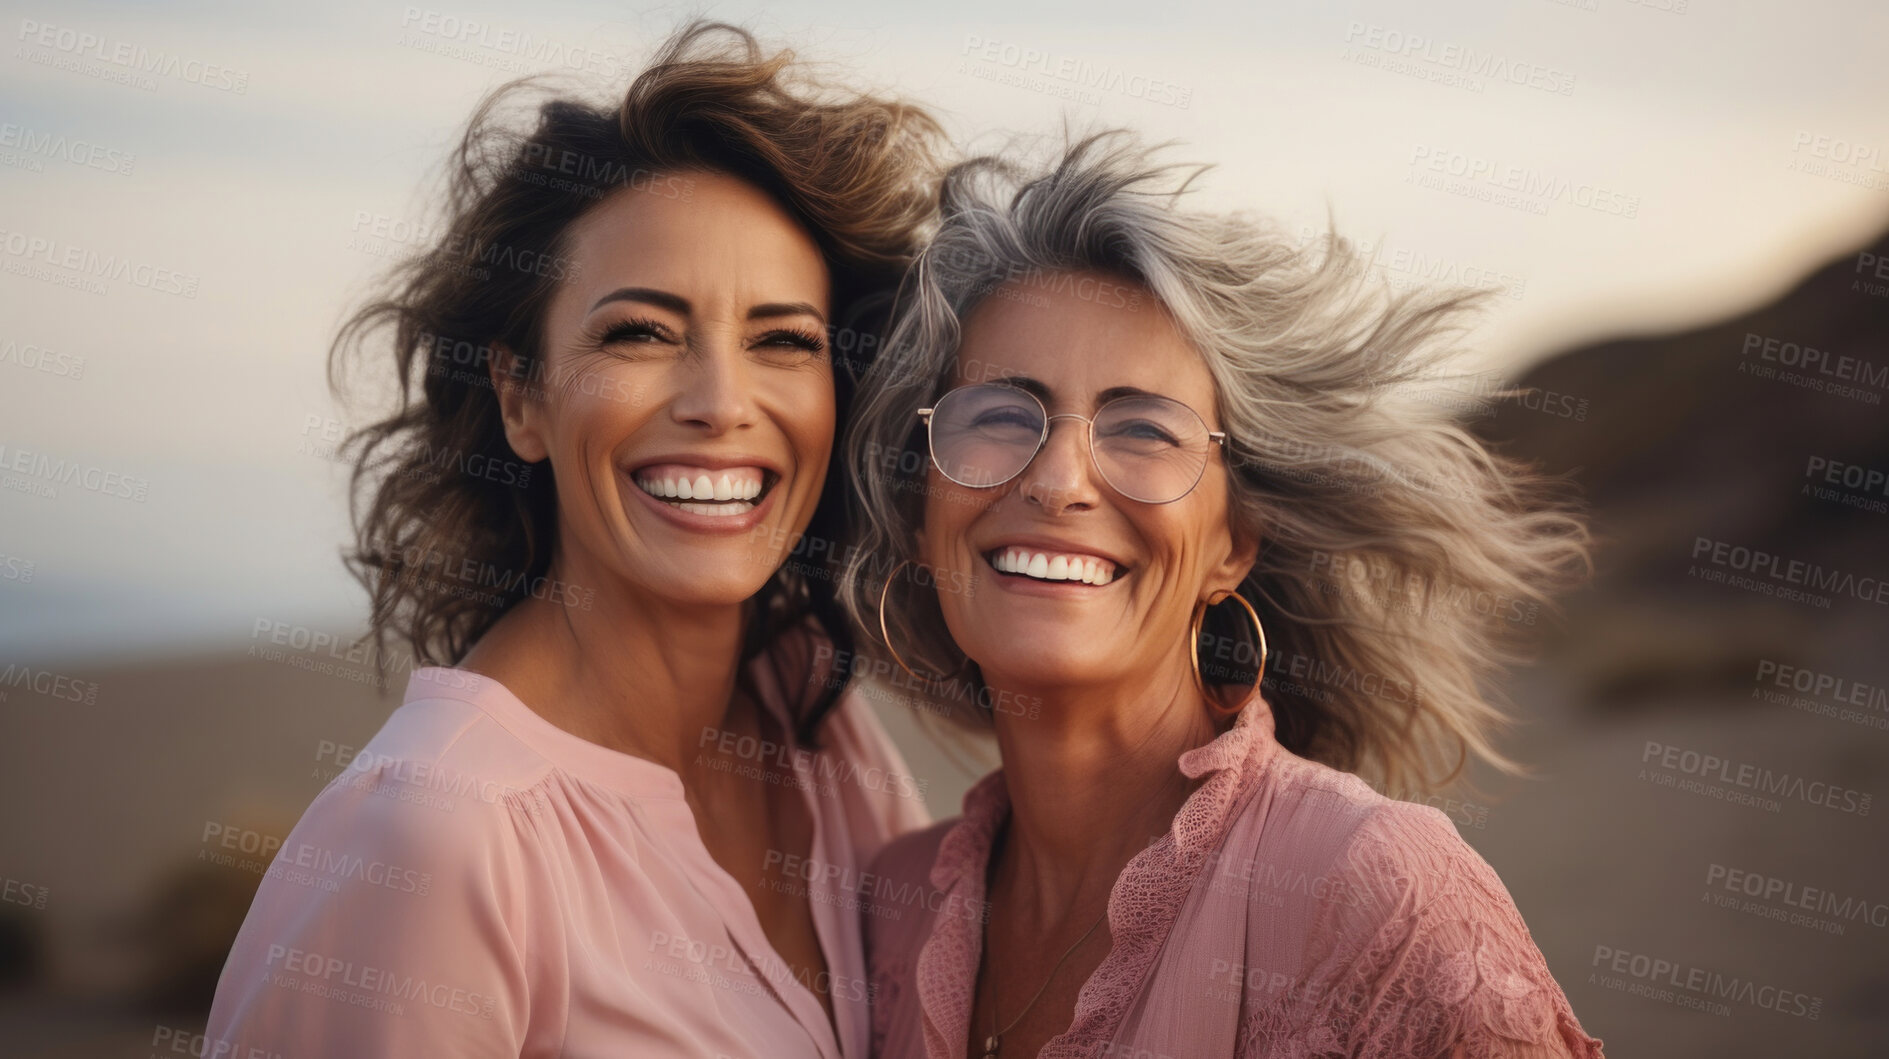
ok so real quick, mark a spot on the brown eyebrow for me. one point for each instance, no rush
(675, 303)
(662, 299)
(1042, 392)
(762, 312)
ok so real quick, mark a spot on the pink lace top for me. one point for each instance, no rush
(1290, 911)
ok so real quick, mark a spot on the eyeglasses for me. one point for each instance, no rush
(1149, 448)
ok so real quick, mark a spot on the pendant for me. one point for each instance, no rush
(990, 1048)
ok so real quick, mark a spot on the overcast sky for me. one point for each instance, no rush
(1663, 167)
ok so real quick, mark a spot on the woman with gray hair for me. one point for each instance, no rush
(1173, 460)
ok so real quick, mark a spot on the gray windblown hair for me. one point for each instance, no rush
(1399, 558)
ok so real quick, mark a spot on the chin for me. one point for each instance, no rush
(1041, 661)
(695, 581)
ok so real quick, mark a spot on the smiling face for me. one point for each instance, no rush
(685, 400)
(1073, 583)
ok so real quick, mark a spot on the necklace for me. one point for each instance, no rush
(993, 1042)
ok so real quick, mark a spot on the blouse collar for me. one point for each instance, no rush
(1243, 749)
(1154, 884)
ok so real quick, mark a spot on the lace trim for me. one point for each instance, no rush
(1143, 904)
(1425, 954)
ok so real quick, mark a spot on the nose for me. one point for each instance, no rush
(1062, 476)
(716, 390)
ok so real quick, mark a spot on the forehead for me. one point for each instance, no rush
(700, 233)
(1080, 333)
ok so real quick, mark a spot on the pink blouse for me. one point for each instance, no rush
(480, 882)
(1289, 911)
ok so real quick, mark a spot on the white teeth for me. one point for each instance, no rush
(737, 508)
(729, 491)
(1042, 566)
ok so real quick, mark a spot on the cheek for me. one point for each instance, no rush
(1178, 550)
(591, 420)
(942, 543)
(806, 412)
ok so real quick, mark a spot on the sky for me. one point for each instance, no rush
(1608, 167)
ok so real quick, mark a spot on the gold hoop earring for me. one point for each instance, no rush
(1193, 641)
(885, 637)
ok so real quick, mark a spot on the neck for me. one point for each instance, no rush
(1093, 780)
(632, 671)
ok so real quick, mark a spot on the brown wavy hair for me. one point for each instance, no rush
(443, 544)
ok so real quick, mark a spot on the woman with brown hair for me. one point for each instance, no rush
(616, 810)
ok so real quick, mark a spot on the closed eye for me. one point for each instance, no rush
(1141, 431)
(637, 332)
(789, 338)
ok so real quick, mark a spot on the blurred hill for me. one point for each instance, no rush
(1713, 433)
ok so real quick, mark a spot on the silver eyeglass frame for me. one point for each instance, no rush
(924, 414)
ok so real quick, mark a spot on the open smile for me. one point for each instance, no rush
(723, 492)
(1060, 567)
